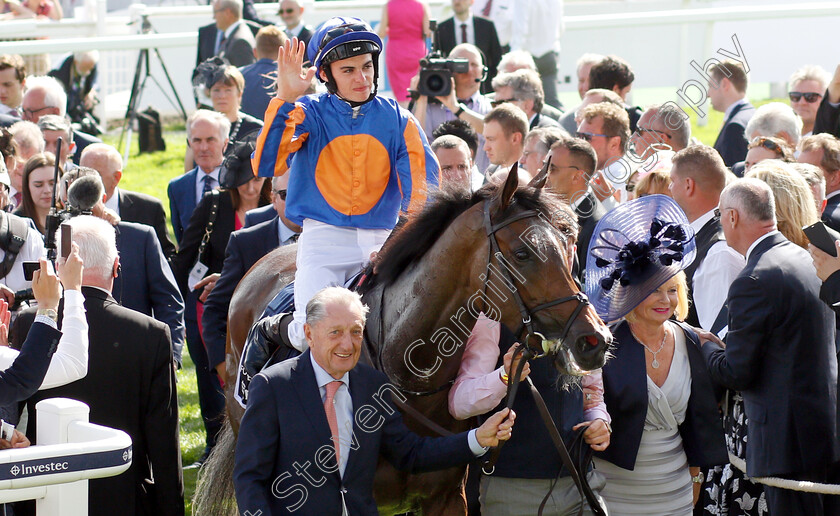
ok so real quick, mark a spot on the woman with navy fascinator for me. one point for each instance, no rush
(665, 419)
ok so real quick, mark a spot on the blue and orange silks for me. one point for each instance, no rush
(350, 167)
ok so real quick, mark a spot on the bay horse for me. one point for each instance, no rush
(503, 250)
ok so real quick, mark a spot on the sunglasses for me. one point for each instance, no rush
(769, 145)
(588, 136)
(499, 102)
(286, 11)
(810, 97)
(281, 194)
(641, 129)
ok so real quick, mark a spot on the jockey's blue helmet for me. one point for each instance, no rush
(339, 38)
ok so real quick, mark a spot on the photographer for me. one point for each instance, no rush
(464, 101)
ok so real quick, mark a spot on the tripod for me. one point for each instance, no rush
(138, 85)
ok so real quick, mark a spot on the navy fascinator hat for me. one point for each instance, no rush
(635, 249)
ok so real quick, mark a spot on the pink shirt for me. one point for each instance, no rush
(479, 388)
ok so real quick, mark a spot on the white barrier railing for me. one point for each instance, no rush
(70, 451)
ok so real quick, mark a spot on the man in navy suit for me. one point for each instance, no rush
(779, 351)
(145, 282)
(259, 86)
(236, 43)
(245, 247)
(207, 135)
(130, 206)
(324, 408)
(727, 92)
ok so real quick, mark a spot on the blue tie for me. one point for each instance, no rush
(208, 184)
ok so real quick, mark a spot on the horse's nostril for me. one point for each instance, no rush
(592, 340)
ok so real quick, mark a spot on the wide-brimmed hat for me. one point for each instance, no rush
(236, 169)
(636, 248)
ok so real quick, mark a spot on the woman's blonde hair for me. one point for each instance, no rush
(656, 182)
(681, 312)
(795, 207)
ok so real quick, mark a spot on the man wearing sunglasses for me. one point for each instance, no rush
(607, 128)
(356, 160)
(292, 12)
(807, 86)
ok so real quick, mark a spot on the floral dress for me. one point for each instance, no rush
(727, 491)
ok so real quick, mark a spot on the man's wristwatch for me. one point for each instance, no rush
(460, 110)
(48, 312)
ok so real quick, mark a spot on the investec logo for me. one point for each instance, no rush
(50, 467)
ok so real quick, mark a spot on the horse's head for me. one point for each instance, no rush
(532, 239)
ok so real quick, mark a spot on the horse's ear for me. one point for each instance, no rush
(539, 180)
(511, 184)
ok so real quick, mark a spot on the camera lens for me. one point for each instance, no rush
(434, 83)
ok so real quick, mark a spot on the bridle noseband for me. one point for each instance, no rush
(533, 339)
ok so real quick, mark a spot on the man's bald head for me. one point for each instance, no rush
(106, 160)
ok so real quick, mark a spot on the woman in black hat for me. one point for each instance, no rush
(658, 392)
(241, 191)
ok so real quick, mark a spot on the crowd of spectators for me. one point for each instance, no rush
(730, 346)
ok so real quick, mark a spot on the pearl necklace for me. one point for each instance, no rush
(655, 362)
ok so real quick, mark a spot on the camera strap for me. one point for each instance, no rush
(13, 232)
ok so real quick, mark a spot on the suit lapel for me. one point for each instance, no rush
(360, 397)
(274, 239)
(765, 245)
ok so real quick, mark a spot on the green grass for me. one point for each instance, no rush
(150, 174)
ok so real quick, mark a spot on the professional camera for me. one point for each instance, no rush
(436, 74)
(436, 71)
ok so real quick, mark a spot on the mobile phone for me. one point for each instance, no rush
(66, 239)
(29, 268)
(7, 430)
(822, 237)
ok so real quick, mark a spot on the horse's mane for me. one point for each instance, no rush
(411, 240)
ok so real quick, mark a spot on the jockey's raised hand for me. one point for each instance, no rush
(292, 81)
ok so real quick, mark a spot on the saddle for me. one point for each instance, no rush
(268, 339)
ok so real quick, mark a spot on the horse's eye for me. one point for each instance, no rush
(521, 254)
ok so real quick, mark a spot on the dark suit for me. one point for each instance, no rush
(831, 213)
(258, 88)
(626, 396)
(23, 378)
(285, 424)
(238, 48)
(589, 212)
(8, 120)
(305, 34)
(65, 75)
(130, 385)
(486, 40)
(730, 142)
(82, 140)
(206, 43)
(828, 118)
(182, 201)
(780, 354)
(145, 282)
(541, 120)
(245, 247)
(258, 215)
(145, 209)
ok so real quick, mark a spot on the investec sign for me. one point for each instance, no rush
(65, 464)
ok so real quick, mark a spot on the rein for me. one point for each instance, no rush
(532, 349)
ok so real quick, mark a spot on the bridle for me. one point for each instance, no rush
(534, 339)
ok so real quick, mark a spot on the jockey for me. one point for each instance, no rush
(356, 160)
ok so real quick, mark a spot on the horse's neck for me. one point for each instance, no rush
(425, 322)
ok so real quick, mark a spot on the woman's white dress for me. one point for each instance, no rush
(660, 483)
